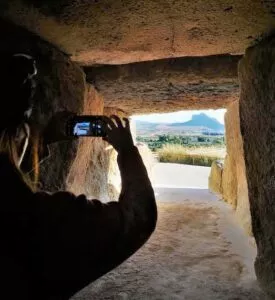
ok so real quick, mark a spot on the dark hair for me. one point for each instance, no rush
(17, 83)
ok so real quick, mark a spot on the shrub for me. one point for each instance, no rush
(200, 156)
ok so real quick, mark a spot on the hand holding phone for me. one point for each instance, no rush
(119, 133)
(113, 130)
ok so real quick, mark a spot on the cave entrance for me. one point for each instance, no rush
(184, 145)
(222, 174)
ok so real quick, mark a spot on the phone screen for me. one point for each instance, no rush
(82, 129)
(87, 126)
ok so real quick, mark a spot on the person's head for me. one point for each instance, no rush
(17, 86)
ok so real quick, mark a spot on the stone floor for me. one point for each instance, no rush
(197, 252)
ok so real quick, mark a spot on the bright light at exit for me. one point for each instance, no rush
(180, 116)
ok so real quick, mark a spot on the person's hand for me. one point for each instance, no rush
(118, 135)
(55, 130)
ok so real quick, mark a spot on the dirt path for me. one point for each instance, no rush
(178, 175)
(195, 253)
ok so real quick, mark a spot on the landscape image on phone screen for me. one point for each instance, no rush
(82, 128)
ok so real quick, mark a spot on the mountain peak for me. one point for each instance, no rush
(199, 122)
(203, 120)
(202, 115)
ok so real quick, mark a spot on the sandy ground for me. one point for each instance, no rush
(197, 252)
(176, 175)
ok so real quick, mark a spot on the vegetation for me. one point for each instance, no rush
(199, 141)
(156, 142)
(200, 156)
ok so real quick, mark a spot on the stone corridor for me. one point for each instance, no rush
(197, 252)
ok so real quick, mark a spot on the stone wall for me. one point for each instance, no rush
(215, 178)
(168, 85)
(81, 166)
(80, 179)
(234, 179)
(94, 171)
(61, 85)
(257, 115)
(119, 32)
(229, 180)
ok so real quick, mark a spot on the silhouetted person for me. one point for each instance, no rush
(53, 245)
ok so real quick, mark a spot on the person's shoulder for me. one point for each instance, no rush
(65, 198)
(66, 203)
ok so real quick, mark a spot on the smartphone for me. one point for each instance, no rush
(89, 126)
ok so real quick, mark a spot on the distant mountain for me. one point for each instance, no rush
(198, 124)
(147, 126)
(202, 120)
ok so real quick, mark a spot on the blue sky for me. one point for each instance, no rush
(181, 116)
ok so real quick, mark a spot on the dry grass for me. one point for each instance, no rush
(199, 156)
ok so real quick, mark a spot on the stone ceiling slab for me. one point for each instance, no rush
(169, 84)
(118, 32)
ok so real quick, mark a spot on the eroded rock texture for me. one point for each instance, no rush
(80, 179)
(94, 171)
(168, 85)
(215, 178)
(61, 86)
(228, 179)
(115, 32)
(234, 179)
(257, 113)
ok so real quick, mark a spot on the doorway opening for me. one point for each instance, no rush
(184, 145)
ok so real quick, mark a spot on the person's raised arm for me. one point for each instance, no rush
(137, 198)
(80, 240)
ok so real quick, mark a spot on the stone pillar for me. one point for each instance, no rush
(215, 178)
(229, 180)
(234, 183)
(257, 115)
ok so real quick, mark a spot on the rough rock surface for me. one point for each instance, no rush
(215, 178)
(62, 88)
(169, 84)
(257, 113)
(229, 181)
(118, 32)
(61, 85)
(94, 171)
(234, 181)
(81, 166)
(87, 171)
